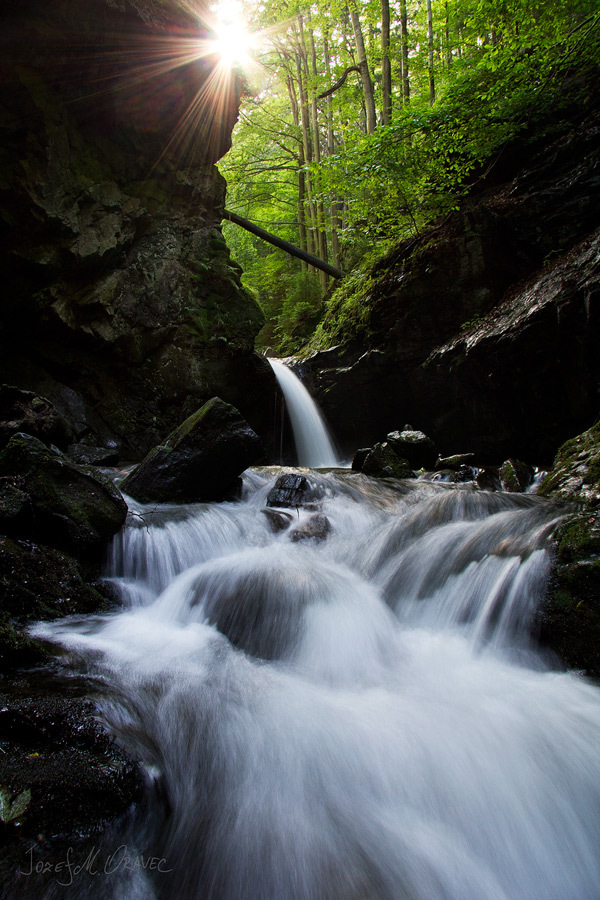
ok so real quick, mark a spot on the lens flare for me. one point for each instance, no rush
(233, 44)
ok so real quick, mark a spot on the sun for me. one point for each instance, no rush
(234, 44)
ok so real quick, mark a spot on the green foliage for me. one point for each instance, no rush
(500, 70)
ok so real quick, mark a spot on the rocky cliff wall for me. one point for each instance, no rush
(484, 332)
(119, 299)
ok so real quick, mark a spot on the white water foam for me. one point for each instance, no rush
(361, 718)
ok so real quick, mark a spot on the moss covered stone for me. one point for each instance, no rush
(74, 507)
(200, 460)
(570, 618)
(384, 462)
(575, 473)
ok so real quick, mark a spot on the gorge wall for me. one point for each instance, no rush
(119, 299)
(483, 332)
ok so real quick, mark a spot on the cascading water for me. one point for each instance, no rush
(364, 717)
(313, 442)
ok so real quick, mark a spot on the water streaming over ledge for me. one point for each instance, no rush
(314, 445)
(365, 717)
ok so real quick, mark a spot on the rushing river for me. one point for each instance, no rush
(362, 717)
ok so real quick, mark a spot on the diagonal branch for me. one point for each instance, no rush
(339, 82)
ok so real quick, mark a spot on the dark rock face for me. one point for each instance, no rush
(570, 619)
(39, 583)
(485, 330)
(72, 508)
(200, 460)
(44, 736)
(120, 302)
(24, 411)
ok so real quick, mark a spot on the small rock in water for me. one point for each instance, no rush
(292, 489)
(454, 462)
(317, 527)
(278, 520)
(516, 476)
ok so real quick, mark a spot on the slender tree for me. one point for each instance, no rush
(386, 64)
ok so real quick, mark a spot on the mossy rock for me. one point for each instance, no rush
(515, 475)
(75, 508)
(384, 462)
(575, 473)
(415, 447)
(570, 618)
(199, 461)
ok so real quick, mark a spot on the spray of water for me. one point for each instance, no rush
(365, 717)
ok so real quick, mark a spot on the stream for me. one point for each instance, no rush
(363, 717)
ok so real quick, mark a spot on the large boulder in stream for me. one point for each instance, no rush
(49, 498)
(415, 447)
(199, 461)
(570, 618)
(383, 461)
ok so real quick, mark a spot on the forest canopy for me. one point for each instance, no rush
(367, 120)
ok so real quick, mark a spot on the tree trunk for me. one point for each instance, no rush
(301, 179)
(302, 73)
(386, 65)
(320, 210)
(404, 55)
(448, 47)
(430, 53)
(335, 221)
(365, 74)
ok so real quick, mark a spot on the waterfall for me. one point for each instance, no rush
(362, 717)
(313, 442)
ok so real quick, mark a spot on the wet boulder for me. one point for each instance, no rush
(88, 455)
(488, 479)
(16, 513)
(199, 461)
(358, 460)
(72, 507)
(316, 527)
(24, 411)
(384, 462)
(70, 774)
(415, 447)
(294, 490)
(570, 617)
(515, 475)
(454, 462)
(278, 520)
(40, 583)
